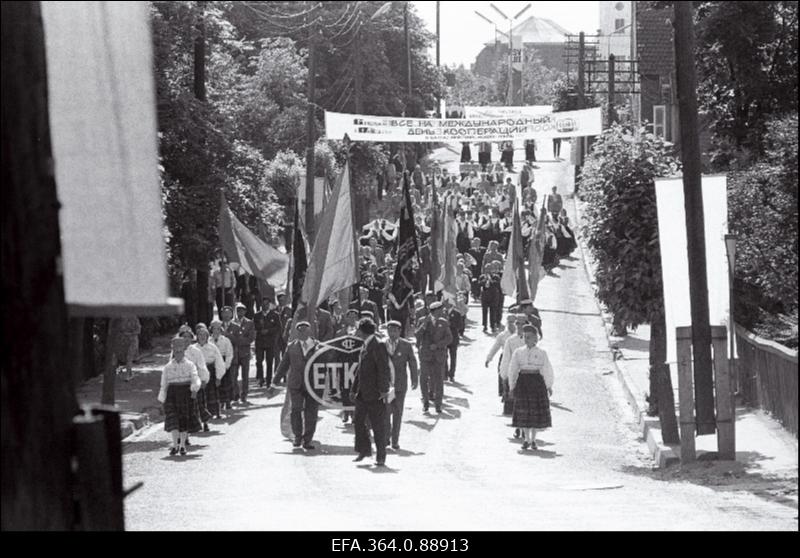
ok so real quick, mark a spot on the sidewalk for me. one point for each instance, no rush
(136, 399)
(766, 453)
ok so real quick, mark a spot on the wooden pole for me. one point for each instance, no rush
(311, 133)
(685, 394)
(726, 415)
(695, 232)
(37, 394)
(202, 271)
(612, 115)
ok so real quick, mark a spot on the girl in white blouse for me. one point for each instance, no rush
(530, 377)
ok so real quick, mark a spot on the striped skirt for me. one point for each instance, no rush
(225, 390)
(180, 409)
(508, 399)
(201, 405)
(531, 403)
(212, 391)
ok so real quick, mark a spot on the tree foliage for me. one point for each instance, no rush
(618, 184)
(763, 216)
(746, 56)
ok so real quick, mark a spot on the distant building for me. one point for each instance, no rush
(616, 28)
(545, 36)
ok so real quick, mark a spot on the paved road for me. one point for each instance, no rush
(461, 470)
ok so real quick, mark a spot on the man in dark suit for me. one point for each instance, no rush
(364, 303)
(268, 331)
(304, 406)
(369, 391)
(402, 356)
(433, 337)
(456, 327)
(242, 343)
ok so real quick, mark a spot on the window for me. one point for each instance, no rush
(619, 24)
(620, 6)
(660, 121)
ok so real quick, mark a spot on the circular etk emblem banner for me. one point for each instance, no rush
(331, 369)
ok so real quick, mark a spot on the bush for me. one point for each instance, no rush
(618, 184)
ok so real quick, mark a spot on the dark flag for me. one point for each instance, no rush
(299, 261)
(407, 252)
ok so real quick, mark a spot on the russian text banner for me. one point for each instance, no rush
(359, 127)
(505, 112)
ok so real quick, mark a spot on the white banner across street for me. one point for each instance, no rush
(359, 127)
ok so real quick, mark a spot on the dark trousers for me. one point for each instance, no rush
(394, 416)
(375, 412)
(496, 314)
(452, 352)
(226, 300)
(431, 380)
(241, 360)
(557, 147)
(266, 351)
(303, 415)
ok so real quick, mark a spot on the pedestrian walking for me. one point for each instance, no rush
(304, 408)
(268, 328)
(179, 383)
(215, 365)
(225, 347)
(513, 343)
(499, 344)
(555, 204)
(370, 392)
(530, 377)
(130, 329)
(433, 338)
(195, 356)
(241, 342)
(457, 326)
(401, 353)
(530, 150)
(556, 148)
(466, 152)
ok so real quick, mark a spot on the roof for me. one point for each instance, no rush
(654, 38)
(536, 30)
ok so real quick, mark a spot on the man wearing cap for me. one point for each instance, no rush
(267, 324)
(349, 323)
(304, 406)
(325, 328)
(402, 356)
(457, 325)
(433, 337)
(242, 341)
(370, 391)
(531, 313)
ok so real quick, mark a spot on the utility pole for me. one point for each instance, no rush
(38, 398)
(438, 57)
(311, 135)
(358, 71)
(612, 115)
(695, 232)
(580, 140)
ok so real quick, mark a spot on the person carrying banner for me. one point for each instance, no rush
(304, 408)
(370, 392)
(433, 337)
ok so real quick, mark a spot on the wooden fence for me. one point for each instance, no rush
(767, 374)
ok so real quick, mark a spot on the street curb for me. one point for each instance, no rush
(650, 427)
(132, 423)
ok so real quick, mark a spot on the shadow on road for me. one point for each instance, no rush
(375, 469)
(460, 401)
(728, 476)
(560, 407)
(544, 454)
(421, 424)
(187, 457)
(459, 385)
(140, 447)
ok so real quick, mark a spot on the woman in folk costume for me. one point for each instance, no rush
(214, 362)
(225, 387)
(196, 357)
(550, 255)
(179, 384)
(530, 377)
(569, 243)
(514, 342)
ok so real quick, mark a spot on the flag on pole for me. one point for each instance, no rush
(243, 247)
(403, 285)
(299, 260)
(435, 234)
(514, 269)
(333, 265)
(536, 252)
(448, 250)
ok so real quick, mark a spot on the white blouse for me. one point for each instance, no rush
(226, 350)
(525, 358)
(512, 344)
(212, 355)
(178, 372)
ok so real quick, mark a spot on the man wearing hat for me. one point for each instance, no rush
(349, 323)
(401, 353)
(532, 314)
(457, 326)
(433, 337)
(304, 406)
(325, 328)
(241, 342)
(364, 303)
(370, 391)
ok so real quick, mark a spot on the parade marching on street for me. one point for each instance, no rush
(462, 468)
